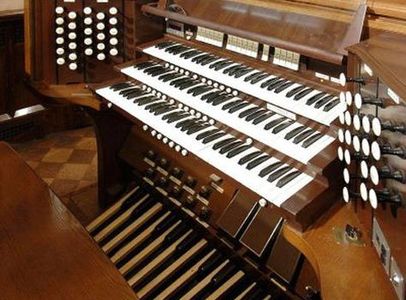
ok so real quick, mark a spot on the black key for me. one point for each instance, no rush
(190, 54)
(185, 122)
(213, 137)
(144, 65)
(196, 88)
(259, 78)
(207, 133)
(129, 90)
(256, 294)
(238, 107)
(218, 63)
(129, 93)
(172, 48)
(197, 58)
(315, 98)
(202, 91)
(323, 101)
(198, 128)
(331, 105)
(174, 114)
(262, 118)
(311, 140)
(223, 65)
(230, 147)
(164, 45)
(153, 69)
(188, 84)
(189, 125)
(223, 143)
(249, 111)
(249, 157)
(253, 76)
(212, 94)
(302, 94)
(203, 59)
(294, 132)
(232, 68)
(120, 86)
(269, 169)
(304, 135)
(154, 105)
(256, 115)
(257, 162)
(209, 60)
(158, 106)
(158, 72)
(269, 81)
(177, 118)
(165, 223)
(135, 94)
(211, 263)
(237, 70)
(294, 91)
(178, 81)
(145, 100)
(221, 99)
(283, 87)
(231, 104)
(238, 150)
(214, 97)
(241, 73)
(274, 123)
(275, 85)
(281, 127)
(165, 110)
(226, 272)
(168, 77)
(279, 173)
(287, 178)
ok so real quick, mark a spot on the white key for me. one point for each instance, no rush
(276, 141)
(280, 99)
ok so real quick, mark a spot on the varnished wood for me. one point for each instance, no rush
(386, 54)
(345, 271)
(264, 25)
(46, 253)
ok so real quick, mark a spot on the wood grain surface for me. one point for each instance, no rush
(46, 253)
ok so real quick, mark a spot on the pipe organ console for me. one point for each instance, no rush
(223, 129)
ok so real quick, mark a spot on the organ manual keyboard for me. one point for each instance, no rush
(216, 124)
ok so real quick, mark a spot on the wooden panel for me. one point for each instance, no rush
(46, 253)
(345, 271)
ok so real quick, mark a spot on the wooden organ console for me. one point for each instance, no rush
(218, 126)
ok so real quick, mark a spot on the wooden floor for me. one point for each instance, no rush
(67, 162)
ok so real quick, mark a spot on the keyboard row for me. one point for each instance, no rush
(270, 178)
(162, 257)
(274, 89)
(272, 129)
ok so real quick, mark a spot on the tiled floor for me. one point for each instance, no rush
(67, 161)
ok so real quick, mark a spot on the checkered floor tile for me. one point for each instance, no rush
(67, 161)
